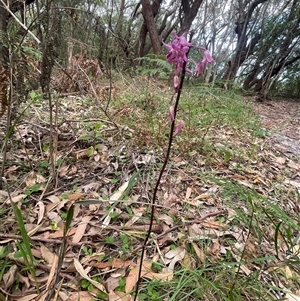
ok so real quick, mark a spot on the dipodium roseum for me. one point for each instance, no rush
(177, 52)
(178, 55)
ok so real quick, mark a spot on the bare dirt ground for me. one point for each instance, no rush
(281, 118)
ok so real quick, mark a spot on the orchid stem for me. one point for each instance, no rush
(162, 170)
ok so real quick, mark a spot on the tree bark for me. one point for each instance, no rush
(149, 12)
(243, 51)
(270, 64)
(189, 14)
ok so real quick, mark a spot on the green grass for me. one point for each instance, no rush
(207, 282)
(204, 109)
(221, 139)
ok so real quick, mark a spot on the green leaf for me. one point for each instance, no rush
(85, 283)
(227, 156)
(25, 237)
(102, 295)
(69, 218)
(90, 151)
(277, 231)
(84, 138)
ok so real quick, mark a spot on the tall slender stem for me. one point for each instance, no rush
(162, 170)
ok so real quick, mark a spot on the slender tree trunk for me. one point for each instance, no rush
(149, 12)
(4, 75)
(243, 50)
(190, 12)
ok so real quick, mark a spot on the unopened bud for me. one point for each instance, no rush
(179, 127)
(172, 113)
(176, 83)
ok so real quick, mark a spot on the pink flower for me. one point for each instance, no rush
(172, 113)
(208, 58)
(177, 51)
(179, 127)
(177, 54)
(176, 83)
(199, 68)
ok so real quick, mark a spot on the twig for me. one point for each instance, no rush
(42, 239)
(48, 268)
(20, 23)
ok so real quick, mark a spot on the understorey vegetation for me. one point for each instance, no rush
(149, 150)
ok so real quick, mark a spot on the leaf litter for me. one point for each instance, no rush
(110, 182)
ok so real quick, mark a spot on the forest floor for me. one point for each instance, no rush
(282, 118)
(227, 214)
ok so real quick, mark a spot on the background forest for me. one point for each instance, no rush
(255, 43)
(122, 180)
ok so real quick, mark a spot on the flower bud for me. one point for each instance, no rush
(172, 113)
(179, 127)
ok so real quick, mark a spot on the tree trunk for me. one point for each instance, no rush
(149, 12)
(243, 51)
(268, 64)
(190, 12)
(4, 75)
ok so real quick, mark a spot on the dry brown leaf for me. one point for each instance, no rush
(47, 254)
(81, 229)
(244, 268)
(3, 195)
(293, 183)
(28, 297)
(116, 264)
(34, 230)
(17, 198)
(73, 170)
(59, 233)
(288, 273)
(166, 219)
(34, 178)
(94, 186)
(138, 213)
(214, 225)
(119, 296)
(280, 160)
(188, 193)
(246, 184)
(23, 279)
(41, 211)
(214, 248)
(124, 296)
(82, 296)
(293, 165)
(202, 196)
(187, 262)
(63, 171)
(175, 255)
(10, 276)
(63, 296)
(52, 271)
(108, 216)
(115, 196)
(53, 199)
(199, 252)
(73, 197)
(79, 268)
(112, 283)
(132, 277)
